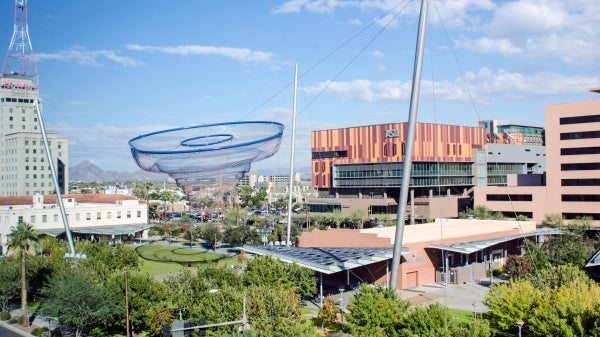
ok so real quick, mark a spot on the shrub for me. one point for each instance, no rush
(40, 331)
(4, 315)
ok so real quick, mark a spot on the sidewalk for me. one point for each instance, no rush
(466, 297)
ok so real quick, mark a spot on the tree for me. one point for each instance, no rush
(9, 281)
(518, 266)
(511, 302)
(432, 320)
(265, 270)
(245, 195)
(571, 247)
(211, 234)
(553, 220)
(104, 259)
(328, 311)
(276, 312)
(144, 293)
(79, 301)
(376, 311)
(158, 315)
(142, 191)
(562, 301)
(20, 238)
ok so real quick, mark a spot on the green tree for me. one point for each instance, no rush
(9, 281)
(20, 238)
(144, 294)
(553, 220)
(157, 316)
(142, 191)
(433, 320)
(211, 234)
(511, 302)
(244, 195)
(79, 301)
(105, 259)
(571, 247)
(376, 311)
(265, 270)
(241, 235)
(276, 312)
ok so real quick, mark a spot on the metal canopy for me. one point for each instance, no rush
(475, 246)
(109, 230)
(325, 260)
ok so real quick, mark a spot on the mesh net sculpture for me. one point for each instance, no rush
(204, 155)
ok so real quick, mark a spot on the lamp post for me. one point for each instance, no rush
(341, 303)
(519, 325)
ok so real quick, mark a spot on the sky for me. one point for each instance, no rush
(112, 70)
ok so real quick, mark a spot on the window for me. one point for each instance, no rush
(509, 197)
(579, 150)
(118, 214)
(385, 150)
(55, 217)
(139, 214)
(579, 135)
(581, 197)
(109, 215)
(99, 216)
(77, 217)
(20, 219)
(44, 218)
(88, 216)
(128, 214)
(394, 149)
(32, 219)
(580, 119)
(579, 166)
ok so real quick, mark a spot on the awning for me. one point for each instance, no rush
(325, 260)
(105, 230)
(469, 247)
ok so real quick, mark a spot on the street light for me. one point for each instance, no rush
(244, 320)
(341, 303)
(519, 325)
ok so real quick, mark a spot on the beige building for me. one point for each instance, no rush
(90, 216)
(24, 167)
(571, 185)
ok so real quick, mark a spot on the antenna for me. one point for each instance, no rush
(20, 61)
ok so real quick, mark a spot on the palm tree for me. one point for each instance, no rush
(20, 238)
(142, 191)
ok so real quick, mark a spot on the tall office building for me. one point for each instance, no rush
(24, 165)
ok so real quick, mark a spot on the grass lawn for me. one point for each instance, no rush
(161, 259)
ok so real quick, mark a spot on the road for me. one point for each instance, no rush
(6, 332)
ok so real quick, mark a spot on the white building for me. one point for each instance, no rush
(90, 216)
(24, 167)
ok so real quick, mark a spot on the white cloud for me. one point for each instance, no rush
(82, 56)
(486, 45)
(238, 54)
(482, 86)
(542, 30)
(377, 54)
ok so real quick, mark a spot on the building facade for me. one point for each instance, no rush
(571, 185)
(89, 216)
(361, 168)
(24, 167)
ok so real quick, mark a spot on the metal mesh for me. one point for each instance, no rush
(204, 155)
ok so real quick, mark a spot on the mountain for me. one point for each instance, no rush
(88, 172)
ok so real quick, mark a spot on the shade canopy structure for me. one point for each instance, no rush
(200, 155)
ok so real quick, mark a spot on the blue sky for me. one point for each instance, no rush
(112, 70)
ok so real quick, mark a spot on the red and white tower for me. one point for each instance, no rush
(20, 60)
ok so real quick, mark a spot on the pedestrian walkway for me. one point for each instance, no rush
(466, 297)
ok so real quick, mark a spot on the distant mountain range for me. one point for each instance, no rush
(88, 172)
